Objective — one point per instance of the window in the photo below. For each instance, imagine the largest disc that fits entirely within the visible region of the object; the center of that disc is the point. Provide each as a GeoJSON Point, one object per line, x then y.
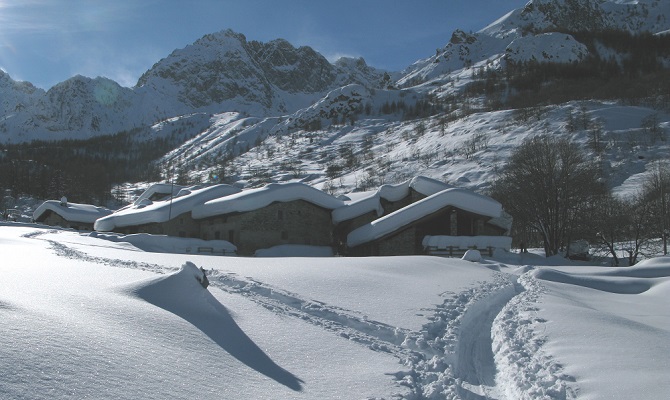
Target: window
{"type": "Point", "coordinates": [284, 235]}
{"type": "Point", "coordinates": [280, 215]}
{"type": "Point", "coordinates": [217, 235]}
{"type": "Point", "coordinates": [231, 236]}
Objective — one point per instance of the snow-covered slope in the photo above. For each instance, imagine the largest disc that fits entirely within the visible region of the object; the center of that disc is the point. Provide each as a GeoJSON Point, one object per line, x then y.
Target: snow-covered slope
{"type": "Point", "coordinates": [89, 318]}
{"type": "Point", "coordinates": [468, 152]}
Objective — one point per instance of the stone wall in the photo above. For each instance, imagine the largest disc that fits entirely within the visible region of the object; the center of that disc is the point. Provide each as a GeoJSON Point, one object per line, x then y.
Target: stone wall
{"type": "Point", "coordinates": [295, 222]}
{"type": "Point", "coordinates": [54, 219]}
{"type": "Point", "coordinates": [401, 244]}
{"type": "Point", "coordinates": [180, 226]}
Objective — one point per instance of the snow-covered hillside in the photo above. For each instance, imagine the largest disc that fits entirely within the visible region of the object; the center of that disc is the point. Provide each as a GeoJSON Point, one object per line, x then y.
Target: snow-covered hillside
{"type": "Point", "coordinates": [467, 152]}
{"type": "Point", "coordinates": [89, 318]}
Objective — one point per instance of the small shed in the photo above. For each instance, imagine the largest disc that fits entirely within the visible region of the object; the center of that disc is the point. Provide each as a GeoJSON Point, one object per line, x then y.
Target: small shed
{"type": "Point", "coordinates": [69, 215]}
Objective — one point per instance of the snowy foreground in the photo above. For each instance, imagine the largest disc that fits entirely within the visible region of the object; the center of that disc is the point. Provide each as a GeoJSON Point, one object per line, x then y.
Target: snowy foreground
{"type": "Point", "coordinates": [82, 317]}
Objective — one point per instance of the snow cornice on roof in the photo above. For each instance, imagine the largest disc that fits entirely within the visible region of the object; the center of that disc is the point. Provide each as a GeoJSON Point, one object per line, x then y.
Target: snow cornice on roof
{"type": "Point", "coordinates": [253, 199]}
{"type": "Point", "coordinates": [421, 184]}
{"type": "Point", "coordinates": [73, 212]}
{"type": "Point", "coordinates": [463, 199]}
{"type": "Point", "coordinates": [146, 211]}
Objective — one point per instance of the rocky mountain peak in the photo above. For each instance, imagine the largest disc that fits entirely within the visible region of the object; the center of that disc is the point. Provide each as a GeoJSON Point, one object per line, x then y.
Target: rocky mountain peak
{"type": "Point", "coordinates": [292, 69]}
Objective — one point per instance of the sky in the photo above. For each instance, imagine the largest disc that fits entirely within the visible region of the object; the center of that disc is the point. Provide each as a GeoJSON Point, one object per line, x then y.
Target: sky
{"type": "Point", "coordinates": [48, 41]}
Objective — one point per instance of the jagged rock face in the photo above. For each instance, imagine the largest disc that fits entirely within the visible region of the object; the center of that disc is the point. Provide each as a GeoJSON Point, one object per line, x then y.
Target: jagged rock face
{"type": "Point", "coordinates": [85, 104]}
{"type": "Point", "coordinates": [356, 71]}
{"type": "Point", "coordinates": [80, 106]}
{"type": "Point", "coordinates": [459, 37]}
{"type": "Point", "coordinates": [291, 69]}
{"type": "Point", "coordinates": [219, 72]}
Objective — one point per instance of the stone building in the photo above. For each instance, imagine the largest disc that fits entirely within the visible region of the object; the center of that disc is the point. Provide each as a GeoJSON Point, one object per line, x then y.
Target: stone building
{"type": "Point", "coordinates": [386, 200]}
{"type": "Point", "coordinates": [278, 214]}
{"type": "Point", "coordinates": [420, 216]}
{"type": "Point", "coordinates": [458, 216]}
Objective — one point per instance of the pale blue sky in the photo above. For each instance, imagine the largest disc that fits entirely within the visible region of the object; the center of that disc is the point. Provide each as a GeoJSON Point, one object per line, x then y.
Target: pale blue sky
{"type": "Point", "coordinates": [48, 41]}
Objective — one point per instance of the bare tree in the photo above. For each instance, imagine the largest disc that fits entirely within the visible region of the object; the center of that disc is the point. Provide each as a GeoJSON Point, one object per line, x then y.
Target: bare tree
{"type": "Point", "coordinates": [613, 220]}
{"type": "Point", "coordinates": [656, 191]}
{"type": "Point", "coordinates": [548, 183]}
{"type": "Point", "coordinates": [652, 128]}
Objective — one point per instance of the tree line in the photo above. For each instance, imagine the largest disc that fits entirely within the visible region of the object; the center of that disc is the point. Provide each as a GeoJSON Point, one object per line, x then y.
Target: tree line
{"type": "Point", "coordinates": [83, 170]}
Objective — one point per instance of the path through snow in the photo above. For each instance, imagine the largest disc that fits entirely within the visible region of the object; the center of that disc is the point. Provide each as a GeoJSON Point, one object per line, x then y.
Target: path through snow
{"type": "Point", "coordinates": [479, 343]}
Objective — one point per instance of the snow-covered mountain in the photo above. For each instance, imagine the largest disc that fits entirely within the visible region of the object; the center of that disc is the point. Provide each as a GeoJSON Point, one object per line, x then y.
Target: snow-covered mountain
{"type": "Point", "coordinates": [219, 72]}
{"type": "Point", "coordinates": [537, 32]}
{"type": "Point", "coordinates": [278, 113]}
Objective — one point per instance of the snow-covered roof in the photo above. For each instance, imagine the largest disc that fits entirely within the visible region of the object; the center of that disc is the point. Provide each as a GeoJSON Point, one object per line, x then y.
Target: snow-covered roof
{"type": "Point", "coordinates": [254, 199]}
{"type": "Point", "coordinates": [72, 212]}
{"type": "Point", "coordinates": [460, 198]}
{"type": "Point", "coordinates": [372, 202]}
{"type": "Point", "coordinates": [158, 188]}
{"type": "Point", "coordinates": [147, 211]}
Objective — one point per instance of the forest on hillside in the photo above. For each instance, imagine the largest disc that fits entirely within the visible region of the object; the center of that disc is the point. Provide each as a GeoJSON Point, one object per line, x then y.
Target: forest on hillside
{"type": "Point", "coordinates": [633, 70]}
{"type": "Point", "coordinates": [83, 170]}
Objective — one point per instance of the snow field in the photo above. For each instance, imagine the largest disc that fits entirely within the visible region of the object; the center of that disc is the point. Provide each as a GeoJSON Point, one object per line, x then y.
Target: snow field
{"type": "Point", "coordinates": [94, 318]}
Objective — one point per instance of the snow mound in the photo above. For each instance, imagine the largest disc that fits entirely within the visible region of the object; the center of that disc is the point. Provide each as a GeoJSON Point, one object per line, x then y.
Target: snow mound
{"type": "Point", "coordinates": [605, 284]}
{"type": "Point", "coordinates": [633, 280]}
{"type": "Point", "coordinates": [182, 294]}
{"type": "Point", "coordinates": [472, 255]}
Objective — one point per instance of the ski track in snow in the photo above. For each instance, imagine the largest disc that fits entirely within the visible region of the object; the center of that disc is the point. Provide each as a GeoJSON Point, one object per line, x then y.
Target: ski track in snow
{"type": "Point", "coordinates": [478, 344]}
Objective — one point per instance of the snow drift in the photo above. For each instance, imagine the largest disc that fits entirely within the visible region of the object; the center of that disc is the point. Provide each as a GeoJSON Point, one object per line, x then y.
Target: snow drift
{"type": "Point", "coordinates": [182, 294]}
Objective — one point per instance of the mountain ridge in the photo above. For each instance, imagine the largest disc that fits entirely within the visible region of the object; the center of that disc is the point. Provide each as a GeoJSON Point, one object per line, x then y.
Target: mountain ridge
{"type": "Point", "coordinates": [218, 72]}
